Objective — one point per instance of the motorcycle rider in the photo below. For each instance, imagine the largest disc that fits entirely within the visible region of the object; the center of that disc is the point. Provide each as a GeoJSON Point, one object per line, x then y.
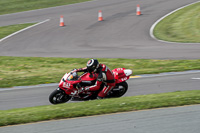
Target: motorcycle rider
{"type": "Point", "coordinates": [105, 75]}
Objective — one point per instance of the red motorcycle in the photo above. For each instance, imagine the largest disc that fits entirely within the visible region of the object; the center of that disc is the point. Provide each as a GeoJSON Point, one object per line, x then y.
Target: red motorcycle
{"type": "Point", "coordinates": [70, 84]}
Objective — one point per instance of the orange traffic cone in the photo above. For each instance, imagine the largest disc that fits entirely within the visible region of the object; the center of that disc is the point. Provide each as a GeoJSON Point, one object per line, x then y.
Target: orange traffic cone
{"type": "Point", "coordinates": [100, 17]}
{"type": "Point", "coordinates": [62, 21]}
{"type": "Point", "coordinates": [138, 12]}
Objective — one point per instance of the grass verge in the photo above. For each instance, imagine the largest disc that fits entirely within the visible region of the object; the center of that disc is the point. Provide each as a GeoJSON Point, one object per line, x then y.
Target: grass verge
{"type": "Point", "coordinates": [19, 71]}
{"type": "Point", "coordinates": [181, 26]}
{"type": "Point", "coordinates": [7, 30]}
{"type": "Point", "coordinates": [97, 107]}
{"type": "Point", "coordinates": [12, 6]}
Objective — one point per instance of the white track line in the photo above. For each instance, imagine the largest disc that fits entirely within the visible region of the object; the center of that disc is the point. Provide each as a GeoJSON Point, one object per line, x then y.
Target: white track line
{"type": "Point", "coordinates": [169, 74]}
{"type": "Point", "coordinates": [196, 78]}
{"type": "Point", "coordinates": [23, 30]}
{"type": "Point", "coordinates": [153, 26]}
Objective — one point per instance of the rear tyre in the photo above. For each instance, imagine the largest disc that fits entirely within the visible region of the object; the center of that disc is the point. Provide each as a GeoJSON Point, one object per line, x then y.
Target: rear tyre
{"type": "Point", "coordinates": [58, 96]}
{"type": "Point", "coordinates": [119, 90]}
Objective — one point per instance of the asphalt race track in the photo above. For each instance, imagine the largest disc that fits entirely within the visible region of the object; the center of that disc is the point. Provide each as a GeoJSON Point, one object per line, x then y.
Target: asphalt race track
{"type": "Point", "coordinates": [34, 96]}
{"type": "Point", "coordinates": [122, 34]}
{"type": "Point", "coordinates": [169, 120]}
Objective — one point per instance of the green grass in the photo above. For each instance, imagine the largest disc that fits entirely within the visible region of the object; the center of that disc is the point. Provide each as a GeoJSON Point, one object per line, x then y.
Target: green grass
{"type": "Point", "coordinates": [12, 6]}
{"type": "Point", "coordinates": [7, 30]}
{"type": "Point", "coordinates": [20, 71]}
{"type": "Point", "coordinates": [97, 107]}
{"type": "Point", "coordinates": [181, 26]}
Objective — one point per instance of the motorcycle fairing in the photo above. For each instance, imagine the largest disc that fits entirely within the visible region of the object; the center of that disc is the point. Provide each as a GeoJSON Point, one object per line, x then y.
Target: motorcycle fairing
{"type": "Point", "coordinates": [121, 74]}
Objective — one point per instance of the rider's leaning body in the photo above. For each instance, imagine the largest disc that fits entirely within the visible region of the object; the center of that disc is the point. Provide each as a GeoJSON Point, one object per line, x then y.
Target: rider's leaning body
{"type": "Point", "coordinates": [105, 75]}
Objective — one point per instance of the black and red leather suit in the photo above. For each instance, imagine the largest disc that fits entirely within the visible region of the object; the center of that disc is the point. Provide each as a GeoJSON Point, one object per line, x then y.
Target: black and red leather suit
{"type": "Point", "coordinates": [105, 75]}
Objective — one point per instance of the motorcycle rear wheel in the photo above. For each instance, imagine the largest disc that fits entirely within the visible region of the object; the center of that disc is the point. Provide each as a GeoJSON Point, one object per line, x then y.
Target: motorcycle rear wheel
{"type": "Point", "coordinates": [119, 90]}
{"type": "Point", "coordinates": [58, 96]}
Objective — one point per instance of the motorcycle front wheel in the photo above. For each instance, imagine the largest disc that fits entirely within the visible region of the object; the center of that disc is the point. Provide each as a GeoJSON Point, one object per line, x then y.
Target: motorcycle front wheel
{"type": "Point", "coordinates": [58, 96]}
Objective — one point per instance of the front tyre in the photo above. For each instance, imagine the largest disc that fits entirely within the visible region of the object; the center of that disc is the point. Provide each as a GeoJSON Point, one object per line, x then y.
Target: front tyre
{"type": "Point", "coordinates": [58, 96]}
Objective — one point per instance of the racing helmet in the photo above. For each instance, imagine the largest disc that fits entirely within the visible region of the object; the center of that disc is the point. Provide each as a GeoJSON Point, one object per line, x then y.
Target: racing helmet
{"type": "Point", "coordinates": [92, 65]}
